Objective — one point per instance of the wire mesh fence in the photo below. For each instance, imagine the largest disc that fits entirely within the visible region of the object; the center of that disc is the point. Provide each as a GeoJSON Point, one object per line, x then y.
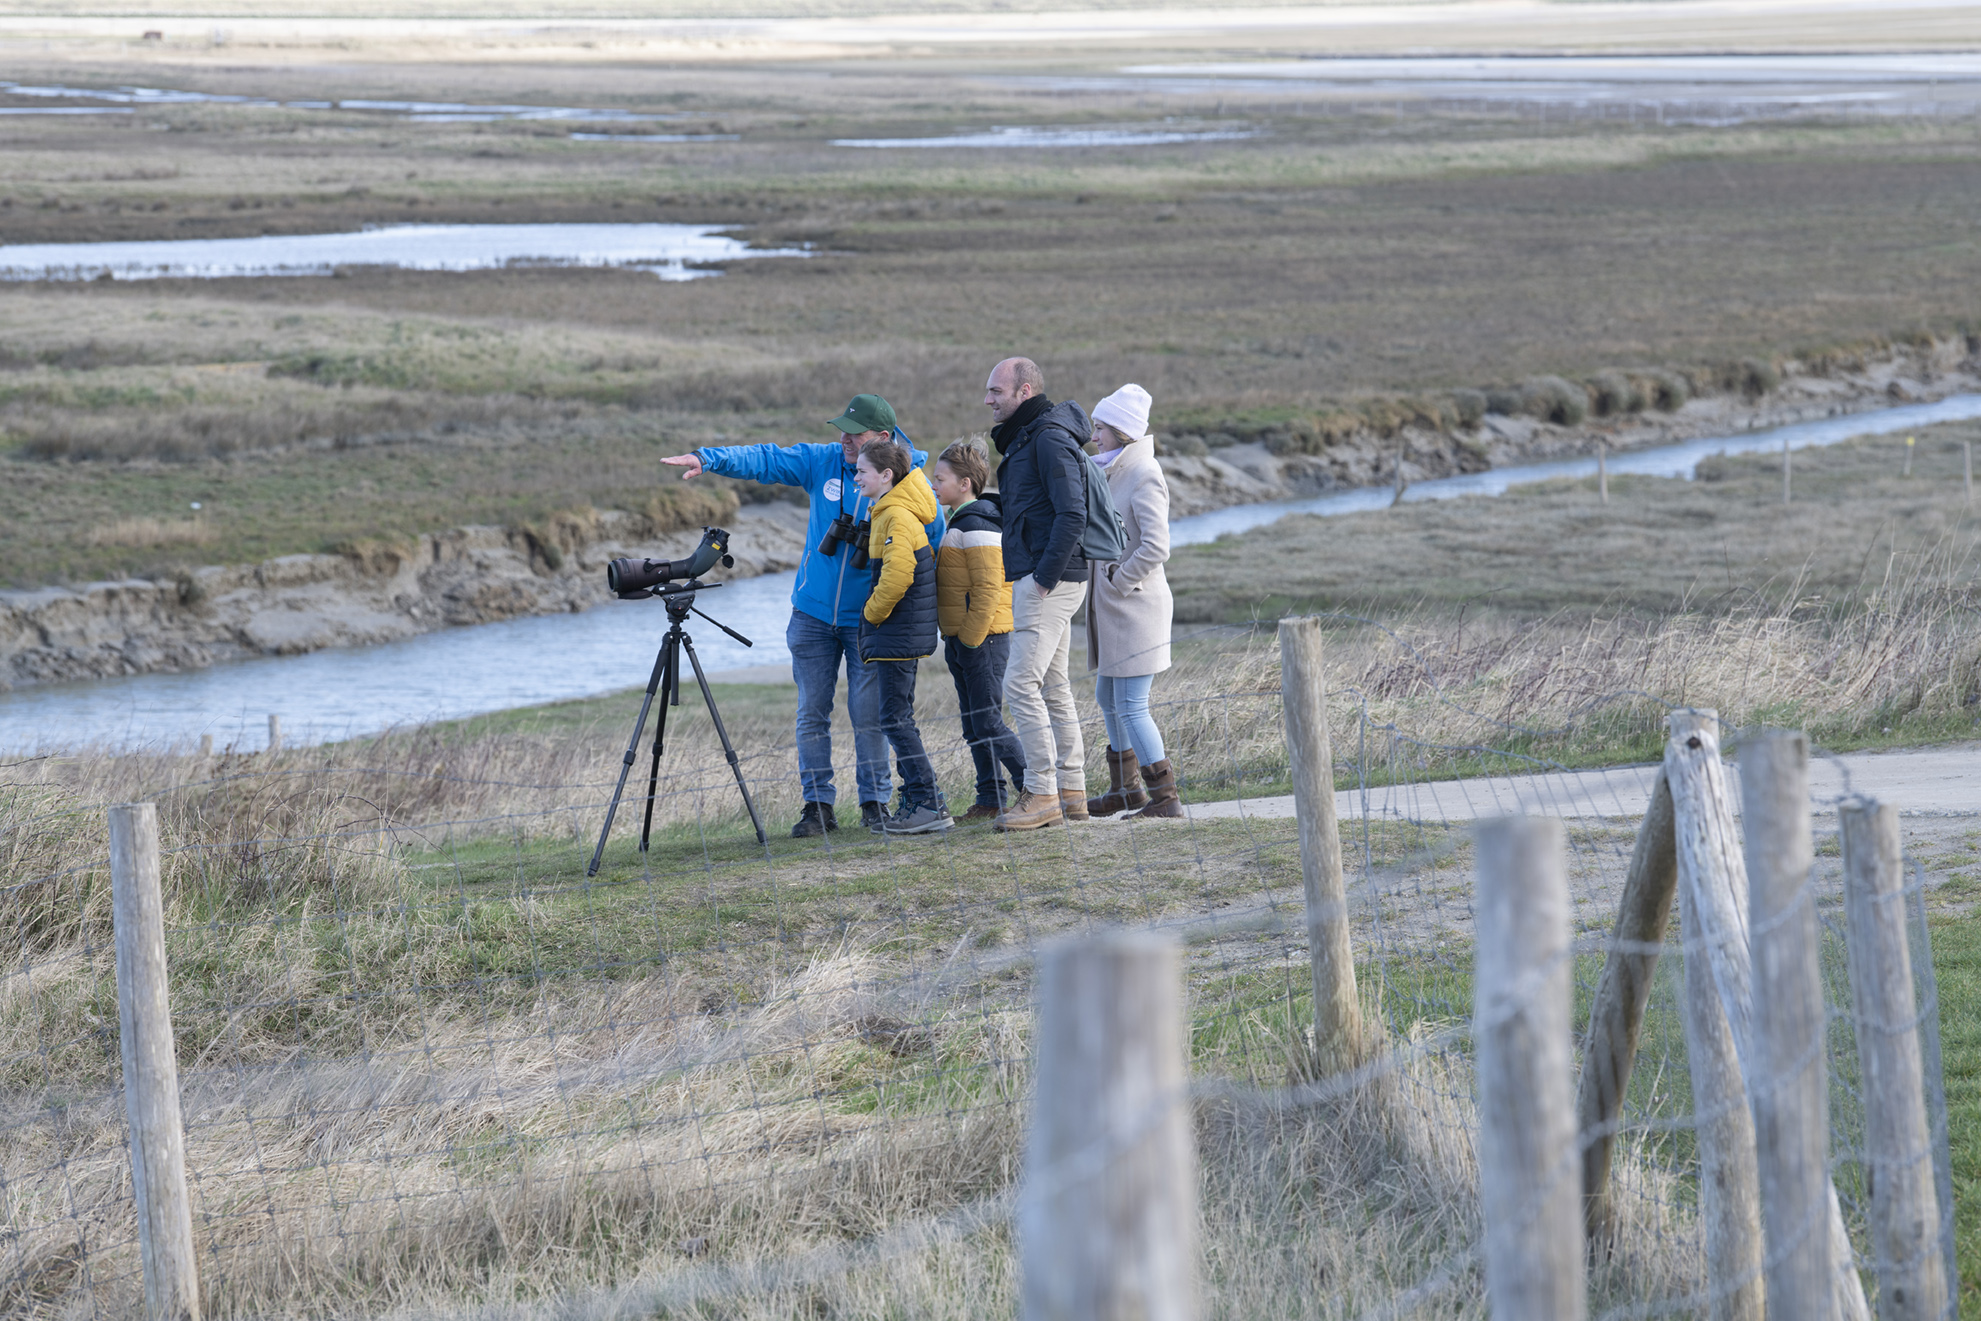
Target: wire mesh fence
{"type": "Point", "coordinates": [427, 1065]}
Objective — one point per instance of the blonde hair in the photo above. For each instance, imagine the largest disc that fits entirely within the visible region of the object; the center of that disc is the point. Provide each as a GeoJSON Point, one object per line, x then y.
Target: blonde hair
{"type": "Point", "coordinates": [967, 460]}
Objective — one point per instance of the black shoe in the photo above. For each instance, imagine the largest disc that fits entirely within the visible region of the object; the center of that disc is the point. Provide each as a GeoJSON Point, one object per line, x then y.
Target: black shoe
{"type": "Point", "coordinates": [815, 821]}
{"type": "Point", "coordinates": [872, 814]}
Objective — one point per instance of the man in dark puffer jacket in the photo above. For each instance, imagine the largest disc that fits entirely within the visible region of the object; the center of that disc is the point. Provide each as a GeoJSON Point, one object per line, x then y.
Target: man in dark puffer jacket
{"type": "Point", "coordinates": [1042, 480]}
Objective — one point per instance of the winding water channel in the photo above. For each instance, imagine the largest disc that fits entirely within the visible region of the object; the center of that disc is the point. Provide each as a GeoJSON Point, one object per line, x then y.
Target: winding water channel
{"type": "Point", "coordinates": [490, 667]}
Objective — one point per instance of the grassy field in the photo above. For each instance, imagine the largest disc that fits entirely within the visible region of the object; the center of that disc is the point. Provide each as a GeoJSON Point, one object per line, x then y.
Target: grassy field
{"type": "Point", "coordinates": [1333, 257]}
{"type": "Point", "coordinates": [467, 1073]}
{"type": "Point", "coordinates": [389, 946]}
{"type": "Point", "coordinates": [432, 1066]}
{"type": "Point", "coordinates": [1858, 528]}
{"type": "Point", "coordinates": [766, 1050]}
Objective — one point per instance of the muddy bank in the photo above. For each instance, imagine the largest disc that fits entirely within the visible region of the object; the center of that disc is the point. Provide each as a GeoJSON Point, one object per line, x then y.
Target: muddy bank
{"type": "Point", "coordinates": [302, 603]}
{"type": "Point", "coordinates": [477, 575]}
{"type": "Point", "coordinates": [1282, 465]}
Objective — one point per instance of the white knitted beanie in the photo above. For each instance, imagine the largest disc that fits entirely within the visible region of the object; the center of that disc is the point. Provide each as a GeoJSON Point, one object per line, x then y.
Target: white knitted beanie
{"type": "Point", "coordinates": [1127, 411]}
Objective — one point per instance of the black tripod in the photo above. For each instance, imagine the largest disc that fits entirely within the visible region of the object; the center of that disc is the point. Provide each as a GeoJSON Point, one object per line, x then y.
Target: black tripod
{"type": "Point", "coordinates": [667, 677]}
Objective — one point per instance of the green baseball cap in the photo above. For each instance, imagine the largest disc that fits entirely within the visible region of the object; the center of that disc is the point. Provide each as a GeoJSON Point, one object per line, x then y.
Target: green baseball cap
{"type": "Point", "coordinates": [867, 412]}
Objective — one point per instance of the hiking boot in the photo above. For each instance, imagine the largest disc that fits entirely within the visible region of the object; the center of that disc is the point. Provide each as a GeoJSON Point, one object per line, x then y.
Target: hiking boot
{"type": "Point", "coordinates": [815, 820]}
{"type": "Point", "coordinates": [918, 821]}
{"type": "Point", "coordinates": [872, 814]}
{"type": "Point", "coordinates": [1073, 803]}
{"type": "Point", "coordinates": [1124, 786]}
{"type": "Point", "coordinates": [1032, 811]}
{"type": "Point", "coordinates": [980, 812]}
{"type": "Point", "coordinates": [1164, 802]}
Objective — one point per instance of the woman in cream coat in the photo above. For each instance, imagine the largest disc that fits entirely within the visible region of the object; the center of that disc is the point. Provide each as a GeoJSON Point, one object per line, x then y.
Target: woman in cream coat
{"type": "Point", "coordinates": [1128, 612]}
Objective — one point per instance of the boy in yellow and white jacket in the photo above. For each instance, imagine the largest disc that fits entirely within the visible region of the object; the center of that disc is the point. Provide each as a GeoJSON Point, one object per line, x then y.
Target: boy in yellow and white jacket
{"type": "Point", "coordinates": [973, 613]}
{"type": "Point", "coordinates": [898, 626]}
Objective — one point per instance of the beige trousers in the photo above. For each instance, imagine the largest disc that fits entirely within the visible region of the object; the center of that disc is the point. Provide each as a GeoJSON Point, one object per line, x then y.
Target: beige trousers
{"type": "Point", "coordinates": [1037, 691]}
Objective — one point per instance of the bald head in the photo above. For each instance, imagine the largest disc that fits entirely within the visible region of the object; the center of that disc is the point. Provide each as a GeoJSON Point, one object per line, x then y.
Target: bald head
{"type": "Point", "coordinates": [1011, 383]}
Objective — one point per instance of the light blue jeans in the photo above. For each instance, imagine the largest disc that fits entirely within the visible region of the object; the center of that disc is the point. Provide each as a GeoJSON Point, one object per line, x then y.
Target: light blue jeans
{"type": "Point", "coordinates": [1125, 707]}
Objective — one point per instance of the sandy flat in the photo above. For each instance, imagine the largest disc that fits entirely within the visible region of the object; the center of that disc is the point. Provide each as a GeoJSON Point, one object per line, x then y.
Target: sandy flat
{"type": "Point", "coordinates": [1498, 26]}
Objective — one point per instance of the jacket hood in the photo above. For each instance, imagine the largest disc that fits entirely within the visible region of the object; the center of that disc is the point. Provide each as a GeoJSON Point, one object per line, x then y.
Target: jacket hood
{"type": "Point", "coordinates": [1071, 417]}
{"type": "Point", "coordinates": [1132, 455]}
{"type": "Point", "coordinates": [914, 497]}
{"type": "Point", "coordinates": [982, 514]}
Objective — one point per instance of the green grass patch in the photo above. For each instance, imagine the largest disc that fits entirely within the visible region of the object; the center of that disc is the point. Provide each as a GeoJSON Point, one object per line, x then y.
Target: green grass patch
{"type": "Point", "coordinates": [1957, 966]}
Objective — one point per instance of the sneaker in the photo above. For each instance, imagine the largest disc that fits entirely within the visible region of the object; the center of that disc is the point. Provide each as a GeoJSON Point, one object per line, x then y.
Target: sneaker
{"type": "Point", "coordinates": [815, 820]}
{"type": "Point", "coordinates": [918, 821]}
{"type": "Point", "coordinates": [872, 814]}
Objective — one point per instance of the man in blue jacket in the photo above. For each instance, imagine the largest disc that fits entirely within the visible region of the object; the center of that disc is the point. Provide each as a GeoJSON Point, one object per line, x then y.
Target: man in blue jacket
{"type": "Point", "coordinates": [827, 600]}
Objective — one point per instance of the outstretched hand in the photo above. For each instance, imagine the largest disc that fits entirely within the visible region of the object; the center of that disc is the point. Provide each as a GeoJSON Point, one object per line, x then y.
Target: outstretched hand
{"type": "Point", "coordinates": [692, 462]}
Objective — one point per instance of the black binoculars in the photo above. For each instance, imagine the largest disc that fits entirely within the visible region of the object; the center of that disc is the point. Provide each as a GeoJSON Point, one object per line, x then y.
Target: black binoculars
{"type": "Point", "coordinates": [843, 531]}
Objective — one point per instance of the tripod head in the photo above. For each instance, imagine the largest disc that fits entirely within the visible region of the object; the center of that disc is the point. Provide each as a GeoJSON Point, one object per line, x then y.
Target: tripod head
{"type": "Point", "coordinates": [680, 598]}
{"type": "Point", "coordinates": [680, 601]}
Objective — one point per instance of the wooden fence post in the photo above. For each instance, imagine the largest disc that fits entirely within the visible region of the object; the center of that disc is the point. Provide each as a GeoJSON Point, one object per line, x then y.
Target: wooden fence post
{"type": "Point", "coordinates": [1337, 1012]}
{"type": "Point", "coordinates": [1788, 1077]}
{"type": "Point", "coordinates": [1712, 896]}
{"type": "Point", "coordinates": [1523, 1041]}
{"type": "Point", "coordinates": [151, 1070]}
{"type": "Point", "coordinates": [206, 745]}
{"type": "Point", "coordinates": [274, 732]}
{"type": "Point", "coordinates": [1905, 1211]}
{"type": "Point", "coordinates": [1107, 1219]}
{"type": "Point", "coordinates": [1617, 1017]}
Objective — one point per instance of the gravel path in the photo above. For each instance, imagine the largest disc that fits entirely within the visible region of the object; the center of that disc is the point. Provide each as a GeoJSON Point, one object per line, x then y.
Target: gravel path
{"type": "Point", "coordinates": [1923, 782]}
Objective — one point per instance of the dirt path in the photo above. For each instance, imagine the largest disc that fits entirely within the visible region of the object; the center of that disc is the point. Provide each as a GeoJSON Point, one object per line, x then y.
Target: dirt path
{"type": "Point", "coordinates": [1415, 897]}
{"type": "Point", "coordinates": [1923, 782]}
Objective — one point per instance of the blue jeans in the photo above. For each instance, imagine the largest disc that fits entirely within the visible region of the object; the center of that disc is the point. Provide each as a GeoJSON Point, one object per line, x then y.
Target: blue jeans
{"type": "Point", "coordinates": [979, 676]}
{"type": "Point", "coordinates": [816, 651]}
{"type": "Point", "coordinates": [896, 679]}
{"type": "Point", "coordinates": [1125, 708]}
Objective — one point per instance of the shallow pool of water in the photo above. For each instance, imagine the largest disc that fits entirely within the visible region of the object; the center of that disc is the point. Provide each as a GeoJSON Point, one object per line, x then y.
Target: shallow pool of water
{"type": "Point", "coordinates": [672, 252]}
{"type": "Point", "coordinates": [1028, 137]}
{"type": "Point", "coordinates": [1690, 88]}
{"type": "Point", "coordinates": [490, 667]}
{"type": "Point", "coordinates": [431, 112]}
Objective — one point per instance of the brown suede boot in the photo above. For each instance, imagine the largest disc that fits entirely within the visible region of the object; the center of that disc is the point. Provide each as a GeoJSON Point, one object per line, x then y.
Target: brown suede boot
{"type": "Point", "coordinates": [1073, 803]}
{"type": "Point", "coordinates": [1163, 800]}
{"type": "Point", "coordinates": [1124, 786]}
{"type": "Point", "coordinates": [1031, 812]}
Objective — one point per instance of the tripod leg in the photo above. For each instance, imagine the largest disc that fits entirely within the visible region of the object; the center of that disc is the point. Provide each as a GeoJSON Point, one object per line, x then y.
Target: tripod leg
{"type": "Point", "coordinates": [728, 748]}
{"type": "Point", "coordinates": [632, 752]}
{"type": "Point", "coordinates": [670, 689]}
